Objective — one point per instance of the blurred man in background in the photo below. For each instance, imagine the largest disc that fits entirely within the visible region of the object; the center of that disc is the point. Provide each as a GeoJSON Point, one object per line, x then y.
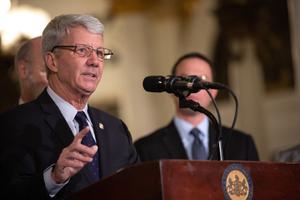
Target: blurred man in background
{"type": "Point", "coordinates": [190, 134]}
{"type": "Point", "coordinates": [31, 70]}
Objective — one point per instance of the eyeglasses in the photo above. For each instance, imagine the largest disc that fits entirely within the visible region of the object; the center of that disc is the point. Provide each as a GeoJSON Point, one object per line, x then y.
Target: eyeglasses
{"type": "Point", "coordinates": [84, 50]}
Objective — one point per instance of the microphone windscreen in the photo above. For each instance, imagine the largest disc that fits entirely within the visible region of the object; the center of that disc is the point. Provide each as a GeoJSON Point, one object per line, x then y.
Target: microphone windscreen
{"type": "Point", "coordinates": [154, 83]}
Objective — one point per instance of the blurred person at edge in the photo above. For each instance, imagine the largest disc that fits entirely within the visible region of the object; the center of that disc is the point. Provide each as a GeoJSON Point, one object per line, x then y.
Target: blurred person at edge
{"type": "Point", "coordinates": [31, 70]}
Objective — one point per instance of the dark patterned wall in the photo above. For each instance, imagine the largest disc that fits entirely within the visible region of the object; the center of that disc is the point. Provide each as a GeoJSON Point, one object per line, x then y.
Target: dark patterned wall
{"type": "Point", "coordinates": [266, 23]}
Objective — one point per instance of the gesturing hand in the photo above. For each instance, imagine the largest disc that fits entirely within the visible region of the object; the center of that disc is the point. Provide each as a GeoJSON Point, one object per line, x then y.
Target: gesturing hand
{"type": "Point", "coordinates": [73, 158]}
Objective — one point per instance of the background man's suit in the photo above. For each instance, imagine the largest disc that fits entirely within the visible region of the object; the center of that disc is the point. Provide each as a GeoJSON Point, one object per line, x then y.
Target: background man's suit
{"type": "Point", "coordinates": [36, 133]}
{"type": "Point", "coordinates": [165, 143]}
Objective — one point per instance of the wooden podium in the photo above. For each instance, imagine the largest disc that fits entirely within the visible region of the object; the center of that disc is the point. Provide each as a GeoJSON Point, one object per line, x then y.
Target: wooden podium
{"type": "Point", "coordinates": [191, 180]}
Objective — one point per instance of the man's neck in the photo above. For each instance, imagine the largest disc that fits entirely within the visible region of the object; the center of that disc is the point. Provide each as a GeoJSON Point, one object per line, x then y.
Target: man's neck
{"type": "Point", "coordinates": [60, 102]}
{"type": "Point", "coordinates": [195, 119]}
{"type": "Point", "coordinates": [74, 98]}
{"type": "Point", "coordinates": [25, 95]}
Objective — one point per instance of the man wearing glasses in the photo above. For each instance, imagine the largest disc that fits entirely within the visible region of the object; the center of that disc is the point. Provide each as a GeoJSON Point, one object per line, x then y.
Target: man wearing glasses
{"type": "Point", "coordinates": [57, 144]}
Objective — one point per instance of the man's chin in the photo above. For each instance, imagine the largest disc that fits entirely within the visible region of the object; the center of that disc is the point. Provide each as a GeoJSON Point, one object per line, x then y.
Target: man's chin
{"type": "Point", "coordinates": [87, 91]}
{"type": "Point", "coordinates": [188, 112]}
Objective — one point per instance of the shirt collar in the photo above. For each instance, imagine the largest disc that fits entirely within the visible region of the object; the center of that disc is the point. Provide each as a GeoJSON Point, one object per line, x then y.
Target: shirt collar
{"type": "Point", "coordinates": [203, 127]}
{"type": "Point", "coordinates": [67, 110]}
{"type": "Point", "coordinates": [185, 127]}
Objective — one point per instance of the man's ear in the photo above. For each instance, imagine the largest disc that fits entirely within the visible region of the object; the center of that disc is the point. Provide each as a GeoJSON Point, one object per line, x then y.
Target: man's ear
{"type": "Point", "coordinates": [50, 61]}
{"type": "Point", "coordinates": [23, 71]}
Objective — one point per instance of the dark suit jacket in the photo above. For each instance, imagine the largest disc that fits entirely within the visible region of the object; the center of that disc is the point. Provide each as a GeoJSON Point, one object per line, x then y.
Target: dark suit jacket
{"type": "Point", "coordinates": [165, 143]}
{"type": "Point", "coordinates": [33, 136]}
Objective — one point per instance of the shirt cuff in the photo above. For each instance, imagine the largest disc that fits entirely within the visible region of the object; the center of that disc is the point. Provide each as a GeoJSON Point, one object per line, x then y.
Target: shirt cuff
{"type": "Point", "coordinates": [52, 187]}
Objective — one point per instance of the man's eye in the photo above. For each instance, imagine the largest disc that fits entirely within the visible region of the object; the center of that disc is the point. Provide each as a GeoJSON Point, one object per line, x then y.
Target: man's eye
{"type": "Point", "coordinates": [100, 53]}
{"type": "Point", "coordinates": [82, 50]}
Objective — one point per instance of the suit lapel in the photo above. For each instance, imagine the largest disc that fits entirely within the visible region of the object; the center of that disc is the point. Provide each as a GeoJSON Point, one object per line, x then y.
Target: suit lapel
{"type": "Point", "coordinates": [59, 126]}
{"type": "Point", "coordinates": [173, 143]}
{"type": "Point", "coordinates": [99, 130]}
{"type": "Point", "coordinates": [55, 120]}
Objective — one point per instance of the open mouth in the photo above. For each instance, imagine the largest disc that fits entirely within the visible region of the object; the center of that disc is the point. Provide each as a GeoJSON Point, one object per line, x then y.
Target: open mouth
{"type": "Point", "coordinates": [90, 75]}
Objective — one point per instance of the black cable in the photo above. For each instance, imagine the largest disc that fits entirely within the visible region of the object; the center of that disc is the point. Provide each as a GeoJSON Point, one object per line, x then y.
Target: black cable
{"type": "Point", "coordinates": [183, 103]}
{"type": "Point", "coordinates": [222, 86]}
{"type": "Point", "coordinates": [217, 111]}
{"type": "Point", "coordinates": [236, 105]}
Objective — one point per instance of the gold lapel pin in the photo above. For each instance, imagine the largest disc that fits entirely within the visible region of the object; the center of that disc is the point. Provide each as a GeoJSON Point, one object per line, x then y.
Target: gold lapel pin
{"type": "Point", "coordinates": [101, 126]}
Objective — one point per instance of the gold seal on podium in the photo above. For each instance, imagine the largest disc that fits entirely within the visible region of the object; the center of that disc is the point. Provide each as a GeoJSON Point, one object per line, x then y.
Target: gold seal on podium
{"type": "Point", "coordinates": [237, 183]}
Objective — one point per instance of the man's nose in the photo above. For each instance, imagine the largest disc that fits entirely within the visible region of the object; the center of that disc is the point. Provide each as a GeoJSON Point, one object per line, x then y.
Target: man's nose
{"type": "Point", "coordinates": [93, 59]}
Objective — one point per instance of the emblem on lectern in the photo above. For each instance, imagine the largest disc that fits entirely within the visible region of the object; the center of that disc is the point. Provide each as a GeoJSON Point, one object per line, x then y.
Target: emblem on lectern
{"type": "Point", "coordinates": [237, 183]}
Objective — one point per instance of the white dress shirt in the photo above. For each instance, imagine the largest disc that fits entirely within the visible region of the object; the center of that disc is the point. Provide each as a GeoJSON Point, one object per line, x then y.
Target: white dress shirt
{"type": "Point", "coordinates": [184, 128]}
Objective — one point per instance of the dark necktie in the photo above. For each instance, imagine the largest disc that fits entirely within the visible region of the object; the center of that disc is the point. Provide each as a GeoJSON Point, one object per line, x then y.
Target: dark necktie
{"type": "Point", "coordinates": [198, 150]}
{"type": "Point", "coordinates": [89, 141]}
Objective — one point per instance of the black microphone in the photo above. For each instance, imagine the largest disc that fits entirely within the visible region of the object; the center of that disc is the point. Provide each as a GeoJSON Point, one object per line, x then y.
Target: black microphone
{"type": "Point", "coordinates": [173, 84]}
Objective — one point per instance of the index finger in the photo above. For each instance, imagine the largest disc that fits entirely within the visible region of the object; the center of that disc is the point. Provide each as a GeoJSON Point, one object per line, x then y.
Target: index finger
{"type": "Point", "coordinates": [82, 133]}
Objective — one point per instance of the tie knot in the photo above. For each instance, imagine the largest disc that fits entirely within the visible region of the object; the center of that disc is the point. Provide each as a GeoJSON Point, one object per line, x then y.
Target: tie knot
{"type": "Point", "coordinates": [195, 132]}
{"type": "Point", "coordinates": [81, 119]}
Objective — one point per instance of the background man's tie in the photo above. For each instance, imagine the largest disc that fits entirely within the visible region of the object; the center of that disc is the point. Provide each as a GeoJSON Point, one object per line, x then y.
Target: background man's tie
{"type": "Point", "coordinates": [89, 141]}
{"type": "Point", "coordinates": [198, 150]}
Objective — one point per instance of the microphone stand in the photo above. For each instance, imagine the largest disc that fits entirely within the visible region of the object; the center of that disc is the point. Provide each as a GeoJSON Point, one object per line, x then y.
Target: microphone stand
{"type": "Point", "coordinates": [183, 103]}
